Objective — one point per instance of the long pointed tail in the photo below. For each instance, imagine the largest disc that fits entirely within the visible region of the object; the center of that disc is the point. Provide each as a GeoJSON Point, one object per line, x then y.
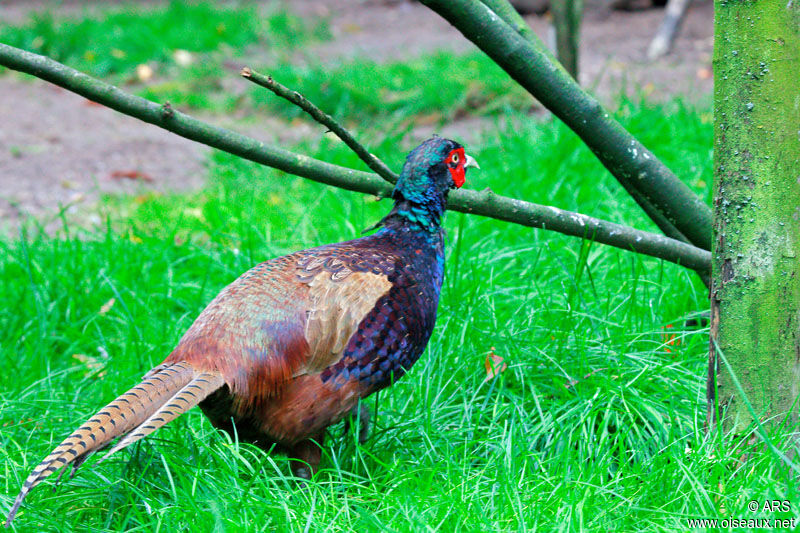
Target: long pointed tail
{"type": "Point", "coordinates": [162, 396]}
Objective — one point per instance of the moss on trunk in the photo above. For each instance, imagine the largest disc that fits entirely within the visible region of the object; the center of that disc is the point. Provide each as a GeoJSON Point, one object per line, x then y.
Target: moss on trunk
{"type": "Point", "coordinates": [755, 292]}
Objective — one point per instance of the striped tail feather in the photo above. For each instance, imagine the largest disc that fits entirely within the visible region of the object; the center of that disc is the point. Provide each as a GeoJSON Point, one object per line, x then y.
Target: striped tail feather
{"type": "Point", "coordinates": [193, 393]}
{"type": "Point", "coordinates": [127, 413]}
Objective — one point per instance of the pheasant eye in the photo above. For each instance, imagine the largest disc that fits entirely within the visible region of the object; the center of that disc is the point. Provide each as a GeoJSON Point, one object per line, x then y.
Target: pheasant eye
{"type": "Point", "coordinates": [454, 158]}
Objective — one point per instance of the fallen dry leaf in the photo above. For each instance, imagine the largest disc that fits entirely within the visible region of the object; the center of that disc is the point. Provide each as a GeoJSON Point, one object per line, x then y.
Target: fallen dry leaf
{"type": "Point", "coordinates": [131, 175]}
{"type": "Point", "coordinates": [144, 72]}
{"type": "Point", "coordinates": [106, 307]}
{"type": "Point", "coordinates": [571, 383]}
{"type": "Point", "coordinates": [704, 73]}
{"type": "Point", "coordinates": [494, 364]}
{"type": "Point", "coordinates": [670, 339]}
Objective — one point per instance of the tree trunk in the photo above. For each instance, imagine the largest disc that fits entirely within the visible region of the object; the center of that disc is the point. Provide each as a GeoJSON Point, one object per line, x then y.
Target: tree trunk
{"type": "Point", "coordinates": [755, 292]}
{"type": "Point", "coordinates": [567, 25]}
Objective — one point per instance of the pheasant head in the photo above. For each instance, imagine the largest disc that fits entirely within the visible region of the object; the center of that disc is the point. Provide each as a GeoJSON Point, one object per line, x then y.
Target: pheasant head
{"type": "Point", "coordinates": [430, 171]}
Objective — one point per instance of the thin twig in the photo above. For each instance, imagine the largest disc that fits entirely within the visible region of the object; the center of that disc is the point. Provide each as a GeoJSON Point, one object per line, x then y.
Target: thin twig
{"type": "Point", "coordinates": [323, 118]}
{"type": "Point", "coordinates": [483, 203]}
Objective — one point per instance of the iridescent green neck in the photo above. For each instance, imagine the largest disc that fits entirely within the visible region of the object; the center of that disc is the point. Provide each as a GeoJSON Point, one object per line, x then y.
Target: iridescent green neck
{"type": "Point", "coordinates": [426, 216]}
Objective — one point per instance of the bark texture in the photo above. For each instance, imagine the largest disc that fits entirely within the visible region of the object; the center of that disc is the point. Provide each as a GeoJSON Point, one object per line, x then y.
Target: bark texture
{"type": "Point", "coordinates": [755, 293]}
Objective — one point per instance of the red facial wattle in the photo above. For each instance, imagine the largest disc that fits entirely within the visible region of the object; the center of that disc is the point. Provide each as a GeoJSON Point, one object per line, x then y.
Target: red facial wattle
{"type": "Point", "coordinates": [455, 164]}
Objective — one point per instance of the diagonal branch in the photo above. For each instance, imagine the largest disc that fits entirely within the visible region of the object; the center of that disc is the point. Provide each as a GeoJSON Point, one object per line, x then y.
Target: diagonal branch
{"type": "Point", "coordinates": [488, 204]}
{"type": "Point", "coordinates": [483, 203]}
{"type": "Point", "coordinates": [511, 17]}
{"type": "Point", "coordinates": [323, 118]}
{"type": "Point", "coordinates": [634, 166]}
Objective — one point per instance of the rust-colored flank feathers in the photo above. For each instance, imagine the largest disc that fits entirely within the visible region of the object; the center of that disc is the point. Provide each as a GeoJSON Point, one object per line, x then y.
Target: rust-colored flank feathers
{"type": "Point", "coordinates": [292, 345]}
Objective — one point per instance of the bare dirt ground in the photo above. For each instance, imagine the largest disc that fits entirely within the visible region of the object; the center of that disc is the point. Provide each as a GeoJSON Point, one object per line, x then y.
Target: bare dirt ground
{"type": "Point", "coordinates": [59, 151]}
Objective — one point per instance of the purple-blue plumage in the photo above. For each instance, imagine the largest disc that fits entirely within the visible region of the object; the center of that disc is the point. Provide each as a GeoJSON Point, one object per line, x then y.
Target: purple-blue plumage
{"type": "Point", "coordinates": [393, 335]}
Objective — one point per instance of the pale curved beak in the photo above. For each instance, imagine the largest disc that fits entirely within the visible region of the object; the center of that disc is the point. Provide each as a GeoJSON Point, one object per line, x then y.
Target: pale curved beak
{"type": "Point", "coordinates": [470, 162]}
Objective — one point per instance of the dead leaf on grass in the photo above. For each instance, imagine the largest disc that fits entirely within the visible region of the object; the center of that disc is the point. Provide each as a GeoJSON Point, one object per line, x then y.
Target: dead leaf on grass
{"type": "Point", "coordinates": [670, 339]}
{"type": "Point", "coordinates": [704, 73]}
{"type": "Point", "coordinates": [144, 72]}
{"type": "Point", "coordinates": [571, 383]}
{"type": "Point", "coordinates": [131, 175]}
{"type": "Point", "coordinates": [106, 307]}
{"type": "Point", "coordinates": [494, 364]}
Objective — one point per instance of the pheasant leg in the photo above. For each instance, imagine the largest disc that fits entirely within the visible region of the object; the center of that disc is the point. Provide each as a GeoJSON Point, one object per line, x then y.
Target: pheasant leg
{"type": "Point", "coordinates": [363, 416]}
{"type": "Point", "coordinates": [305, 457]}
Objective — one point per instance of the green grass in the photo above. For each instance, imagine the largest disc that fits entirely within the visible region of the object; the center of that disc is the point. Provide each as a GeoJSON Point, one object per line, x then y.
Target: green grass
{"type": "Point", "coordinates": [443, 86]}
{"type": "Point", "coordinates": [112, 42]}
{"type": "Point", "coordinates": [596, 424]}
{"type": "Point", "coordinates": [359, 90]}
